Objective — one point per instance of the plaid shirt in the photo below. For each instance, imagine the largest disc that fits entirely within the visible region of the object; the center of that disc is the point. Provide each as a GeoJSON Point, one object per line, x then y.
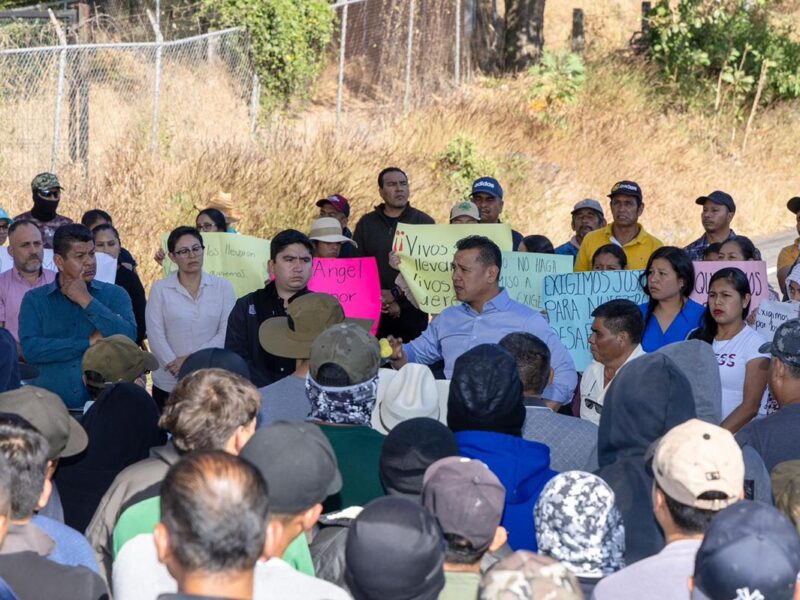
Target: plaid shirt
{"type": "Point", "coordinates": [697, 248]}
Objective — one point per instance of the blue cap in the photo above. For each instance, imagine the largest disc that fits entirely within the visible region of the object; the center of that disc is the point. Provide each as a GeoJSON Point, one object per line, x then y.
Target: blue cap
{"type": "Point", "coordinates": [749, 545]}
{"type": "Point", "coordinates": [487, 185]}
{"type": "Point", "coordinates": [5, 217]}
{"type": "Point", "coordinates": [718, 197]}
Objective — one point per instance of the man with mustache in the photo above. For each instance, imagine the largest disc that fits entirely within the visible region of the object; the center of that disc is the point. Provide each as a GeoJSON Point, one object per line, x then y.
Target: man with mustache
{"type": "Point", "coordinates": [60, 320]}
{"type": "Point", "coordinates": [586, 217]}
{"type": "Point", "coordinates": [718, 212]}
{"type": "Point", "coordinates": [26, 248]}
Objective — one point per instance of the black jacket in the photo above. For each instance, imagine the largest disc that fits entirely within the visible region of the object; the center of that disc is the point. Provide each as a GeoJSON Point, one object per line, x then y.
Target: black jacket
{"type": "Point", "coordinates": [242, 336]}
{"type": "Point", "coordinates": [374, 234]}
{"type": "Point", "coordinates": [32, 577]}
{"type": "Point", "coordinates": [129, 281]}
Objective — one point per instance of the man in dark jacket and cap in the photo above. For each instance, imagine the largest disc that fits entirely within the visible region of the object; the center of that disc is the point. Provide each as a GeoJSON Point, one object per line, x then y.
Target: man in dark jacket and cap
{"type": "Point", "coordinates": [648, 397]}
{"type": "Point", "coordinates": [486, 411]}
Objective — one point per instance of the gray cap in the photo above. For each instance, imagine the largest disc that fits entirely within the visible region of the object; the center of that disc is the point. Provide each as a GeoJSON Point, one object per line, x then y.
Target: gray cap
{"type": "Point", "coordinates": [589, 203]}
{"type": "Point", "coordinates": [298, 463]}
{"type": "Point", "coordinates": [786, 343]}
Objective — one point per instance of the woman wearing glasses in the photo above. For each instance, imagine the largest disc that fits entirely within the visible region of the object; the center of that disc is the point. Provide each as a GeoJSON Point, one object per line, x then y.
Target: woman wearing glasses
{"type": "Point", "coordinates": [187, 311]}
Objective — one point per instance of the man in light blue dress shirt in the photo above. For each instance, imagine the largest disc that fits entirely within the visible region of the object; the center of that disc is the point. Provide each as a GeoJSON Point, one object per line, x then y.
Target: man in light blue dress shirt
{"type": "Point", "coordinates": [486, 314]}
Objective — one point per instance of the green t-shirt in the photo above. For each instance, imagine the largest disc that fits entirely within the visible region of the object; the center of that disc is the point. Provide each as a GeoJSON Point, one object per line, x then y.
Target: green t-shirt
{"type": "Point", "coordinates": [143, 517]}
{"type": "Point", "coordinates": [358, 452]}
{"type": "Point", "coordinates": [460, 586]}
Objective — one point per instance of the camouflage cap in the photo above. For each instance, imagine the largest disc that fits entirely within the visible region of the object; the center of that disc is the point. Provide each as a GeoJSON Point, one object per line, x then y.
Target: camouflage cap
{"type": "Point", "coordinates": [528, 576]}
{"type": "Point", "coordinates": [349, 346]}
{"type": "Point", "coordinates": [786, 343]}
{"type": "Point", "coordinates": [45, 181]}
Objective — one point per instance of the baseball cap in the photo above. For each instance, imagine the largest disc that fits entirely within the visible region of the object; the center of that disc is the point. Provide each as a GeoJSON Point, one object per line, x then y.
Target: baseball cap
{"type": "Point", "coordinates": [487, 185]}
{"type": "Point", "coordinates": [328, 229]}
{"type": "Point", "coordinates": [298, 463]}
{"type": "Point", "coordinates": [214, 358]}
{"type": "Point", "coordinates": [307, 316]}
{"type": "Point", "coordinates": [48, 414]}
{"type": "Point", "coordinates": [785, 343]}
{"type": "Point", "coordinates": [528, 576]}
{"type": "Point", "coordinates": [748, 546]}
{"type": "Point", "coordinates": [408, 451]}
{"type": "Point", "coordinates": [4, 216]}
{"type": "Point", "coordinates": [338, 202]}
{"type": "Point", "coordinates": [348, 346]}
{"type": "Point", "coordinates": [718, 197]}
{"type": "Point", "coordinates": [794, 204]}
{"type": "Point", "coordinates": [45, 181]}
{"type": "Point", "coordinates": [117, 358]}
{"type": "Point", "coordinates": [588, 203]}
{"type": "Point", "coordinates": [696, 457]}
{"type": "Point", "coordinates": [626, 188]}
{"type": "Point", "coordinates": [394, 551]}
{"type": "Point", "coordinates": [465, 208]}
{"type": "Point", "coordinates": [466, 498]}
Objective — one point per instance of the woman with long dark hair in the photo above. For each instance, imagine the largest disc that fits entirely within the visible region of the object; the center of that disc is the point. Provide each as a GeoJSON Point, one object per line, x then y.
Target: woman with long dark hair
{"type": "Point", "coordinates": [742, 367]}
{"type": "Point", "coordinates": [670, 315]}
{"type": "Point", "coordinates": [211, 220]}
{"type": "Point", "coordinates": [742, 248]}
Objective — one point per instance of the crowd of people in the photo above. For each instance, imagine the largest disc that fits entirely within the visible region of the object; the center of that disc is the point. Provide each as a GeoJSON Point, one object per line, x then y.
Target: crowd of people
{"type": "Point", "coordinates": [187, 443]}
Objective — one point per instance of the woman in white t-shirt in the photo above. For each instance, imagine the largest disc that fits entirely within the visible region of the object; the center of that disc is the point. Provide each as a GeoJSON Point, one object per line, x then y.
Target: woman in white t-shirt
{"type": "Point", "coordinates": [742, 367]}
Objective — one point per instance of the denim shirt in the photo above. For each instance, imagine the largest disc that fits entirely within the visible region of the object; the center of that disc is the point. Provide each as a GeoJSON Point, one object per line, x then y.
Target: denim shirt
{"type": "Point", "coordinates": [54, 333]}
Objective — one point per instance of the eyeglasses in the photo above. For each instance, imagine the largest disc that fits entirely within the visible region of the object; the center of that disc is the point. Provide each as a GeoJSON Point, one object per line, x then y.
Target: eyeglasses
{"type": "Point", "coordinates": [592, 405]}
{"type": "Point", "coordinates": [3, 226]}
{"type": "Point", "coordinates": [207, 227]}
{"type": "Point", "coordinates": [55, 193]}
{"type": "Point", "coordinates": [194, 251]}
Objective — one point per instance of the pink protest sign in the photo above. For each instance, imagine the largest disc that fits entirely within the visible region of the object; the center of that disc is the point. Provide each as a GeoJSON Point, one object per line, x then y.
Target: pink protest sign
{"type": "Point", "coordinates": [354, 282]}
{"type": "Point", "coordinates": [756, 271]}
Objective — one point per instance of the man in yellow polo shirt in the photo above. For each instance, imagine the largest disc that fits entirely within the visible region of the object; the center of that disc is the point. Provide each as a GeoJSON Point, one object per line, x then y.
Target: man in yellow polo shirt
{"type": "Point", "coordinates": [789, 254]}
{"type": "Point", "coordinates": [624, 231]}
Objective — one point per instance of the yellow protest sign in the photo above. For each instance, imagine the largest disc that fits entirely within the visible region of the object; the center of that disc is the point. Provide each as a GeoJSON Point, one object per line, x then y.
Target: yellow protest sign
{"type": "Point", "coordinates": [426, 252]}
{"type": "Point", "coordinates": [241, 259]}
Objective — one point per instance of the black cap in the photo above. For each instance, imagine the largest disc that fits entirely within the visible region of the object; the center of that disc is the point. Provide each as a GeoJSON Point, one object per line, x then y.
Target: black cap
{"type": "Point", "coordinates": [626, 188]}
{"type": "Point", "coordinates": [214, 358]}
{"type": "Point", "coordinates": [395, 551]}
{"type": "Point", "coordinates": [409, 449]}
{"type": "Point", "coordinates": [748, 545]}
{"type": "Point", "coordinates": [486, 392]}
{"type": "Point", "coordinates": [794, 204]}
{"type": "Point", "coordinates": [718, 197]}
{"type": "Point", "coordinates": [298, 463]}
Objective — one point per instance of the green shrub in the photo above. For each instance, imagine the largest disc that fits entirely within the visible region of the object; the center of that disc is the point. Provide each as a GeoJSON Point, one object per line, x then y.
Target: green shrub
{"type": "Point", "coordinates": [710, 50]}
{"type": "Point", "coordinates": [557, 79]}
{"type": "Point", "coordinates": [287, 40]}
{"type": "Point", "coordinates": [462, 164]}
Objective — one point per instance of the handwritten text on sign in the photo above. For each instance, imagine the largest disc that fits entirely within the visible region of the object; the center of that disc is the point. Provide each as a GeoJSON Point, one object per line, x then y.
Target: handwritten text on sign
{"type": "Point", "coordinates": [523, 273]}
{"type": "Point", "coordinates": [569, 300]}
{"type": "Point", "coordinates": [426, 253]}
{"type": "Point", "coordinates": [354, 282]}
{"type": "Point", "coordinates": [756, 271]}
{"type": "Point", "coordinates": [772, 315]}
{"type": "Point", "coordinates": [241, 259]}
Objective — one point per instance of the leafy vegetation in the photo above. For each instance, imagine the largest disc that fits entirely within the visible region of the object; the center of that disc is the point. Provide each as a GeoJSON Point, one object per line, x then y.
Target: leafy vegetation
{"type": "Point", "coordinates": [287, 40]}
{"type": "Point", "coordinates": [557, 80]}
{"type": "Point", "coordinates": [462, 164]}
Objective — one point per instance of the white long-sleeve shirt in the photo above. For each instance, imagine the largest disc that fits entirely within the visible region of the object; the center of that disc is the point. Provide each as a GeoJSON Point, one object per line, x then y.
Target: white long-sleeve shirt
{"type": "Point", "coordinates": [178, 324]}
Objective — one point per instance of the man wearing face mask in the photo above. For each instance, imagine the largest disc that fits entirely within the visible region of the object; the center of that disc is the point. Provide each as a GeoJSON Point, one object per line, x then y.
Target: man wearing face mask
{"type": "Point", "coordinates": [46, 195]}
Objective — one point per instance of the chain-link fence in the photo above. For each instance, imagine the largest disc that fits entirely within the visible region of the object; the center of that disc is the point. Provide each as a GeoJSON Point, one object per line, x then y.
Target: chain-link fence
{"type": "Point", "coordinates": [75, 104]}
{"type": "Point", "coordinates": [401, 53]}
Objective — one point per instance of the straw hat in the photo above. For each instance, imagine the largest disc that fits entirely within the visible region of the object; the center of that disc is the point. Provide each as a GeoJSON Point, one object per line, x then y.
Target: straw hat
{"type": "Point", "coordinates": [223, 202]}
{"type": "Point", "coordinates": [328, 229]}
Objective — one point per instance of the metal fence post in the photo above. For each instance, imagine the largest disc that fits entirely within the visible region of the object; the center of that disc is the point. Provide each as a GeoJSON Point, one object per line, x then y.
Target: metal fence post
{"type": "Point", "coordinates": [458, 42]}
{"type": "Point", "coordinates": [157, 82]}
{"type": "Point", "coordinates": [342, 45]}
{"type": "Point", "coordinates": [255, 100]}
{"type": "Point", "coordinates": [409, 51]}
{"type": "Point", "coordinates": [62, 67]}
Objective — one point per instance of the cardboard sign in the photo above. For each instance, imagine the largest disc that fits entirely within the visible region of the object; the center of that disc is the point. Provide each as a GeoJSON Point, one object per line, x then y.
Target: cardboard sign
{"type": "Point", "coordinates": [523, 273]}
{"type": "Point", "coordinates": [756, 271]}
{"type": "Point", "coordinates": [241, 259]}
{"type": "Point", "coordinates": [106, 265]}
{"type": "Point", "coordinates": [354, 282]}
{"type": "Point", "coordinates": [426, 253]}
{"type": "Point", "coordinates": [570, 298]}
{"type": "Point", "coordinates": [770, 315]}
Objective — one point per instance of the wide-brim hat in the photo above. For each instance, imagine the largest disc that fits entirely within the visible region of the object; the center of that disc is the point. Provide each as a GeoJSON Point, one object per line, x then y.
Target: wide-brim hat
{"type": "Point", "coordinates": [410, 392]}
{"type": "Point", "coordinates": [223, 202]}
{"type": "Point", "coordinates": [328, 229]}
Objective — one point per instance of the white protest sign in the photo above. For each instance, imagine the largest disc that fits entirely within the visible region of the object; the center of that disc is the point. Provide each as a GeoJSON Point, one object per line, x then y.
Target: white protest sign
{"type": "Point", "coordinates": [771, 315]}
{"type": "Point", "coordinates": [106, 265]}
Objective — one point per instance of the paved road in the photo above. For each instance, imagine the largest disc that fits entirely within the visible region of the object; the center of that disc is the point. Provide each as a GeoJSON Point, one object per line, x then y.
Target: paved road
{"type": "Point", "coordinates": [770, 245]}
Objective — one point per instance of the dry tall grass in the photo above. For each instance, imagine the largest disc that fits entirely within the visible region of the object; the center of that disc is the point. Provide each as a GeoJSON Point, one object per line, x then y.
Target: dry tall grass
{"type": "Point", "coordinates": [617, 130]}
